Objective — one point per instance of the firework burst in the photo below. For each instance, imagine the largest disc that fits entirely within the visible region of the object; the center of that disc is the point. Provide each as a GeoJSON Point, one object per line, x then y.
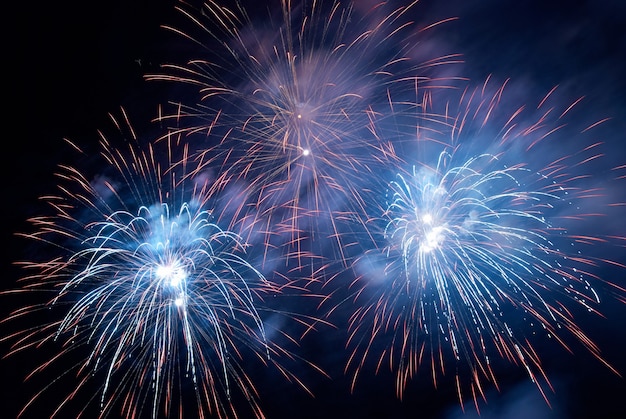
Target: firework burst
{"type": "Point", "coordinates": [161, 299]}
{"type": "Point", "coordinates": [482, 255]}
{"type": "Point", "coordinates": [291, 102]}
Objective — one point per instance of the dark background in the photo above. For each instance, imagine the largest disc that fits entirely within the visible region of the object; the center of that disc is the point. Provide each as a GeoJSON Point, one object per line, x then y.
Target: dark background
{"type": "Point", "coordinates": [67, 64]}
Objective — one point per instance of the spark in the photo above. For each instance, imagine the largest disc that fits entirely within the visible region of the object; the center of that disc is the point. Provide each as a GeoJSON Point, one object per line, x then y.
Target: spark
{"type": "Point", "coordinates": [163, 298]}
{"type": "Point", "coordinates": [480, 252]}
{"type": "Point", "coordinates": [294, 115]}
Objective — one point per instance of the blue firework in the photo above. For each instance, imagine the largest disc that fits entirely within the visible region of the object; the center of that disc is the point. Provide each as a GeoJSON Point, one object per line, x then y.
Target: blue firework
{"type": "Point", "coordinates": [163, 301]}
{"type": "Point", "coordinates": [286, 104]}
{"type": "Point", "coordinates": [480, 255]}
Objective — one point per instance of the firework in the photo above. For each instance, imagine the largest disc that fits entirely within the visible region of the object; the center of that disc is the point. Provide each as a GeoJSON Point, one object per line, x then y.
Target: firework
{"type": "Point", "coordinates": [483, 256]}
{"type": "Point", "coordinates": [290, 102]}
{"type": "Point", "coordinates": [156, 299]}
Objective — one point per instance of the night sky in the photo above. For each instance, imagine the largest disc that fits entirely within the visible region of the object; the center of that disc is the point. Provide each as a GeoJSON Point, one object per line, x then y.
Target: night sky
{"type": "Point", "coordinates": [67, 64]}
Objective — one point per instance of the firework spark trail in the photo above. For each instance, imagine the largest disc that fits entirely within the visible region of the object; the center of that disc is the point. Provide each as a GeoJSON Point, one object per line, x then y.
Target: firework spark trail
{"type": "Point", "coordinates": [158, 293]}
{"type": "Point", "coordinates": [297, 121]}
{"type": "Point", "coordinates": [477, 249]}
{"type": "Point", "coordinates": [291, 102]}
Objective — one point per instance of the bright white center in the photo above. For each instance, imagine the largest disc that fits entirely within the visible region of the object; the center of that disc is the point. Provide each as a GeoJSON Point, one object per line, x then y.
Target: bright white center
{"type": "Point", "coordinates": [174, 275]}
{"type": "Point", "coordinates": [427, 218]}
{"type": "Point", "coordinates": [306, 152]}
{"type": "Point", "coordinates": [432, 239]}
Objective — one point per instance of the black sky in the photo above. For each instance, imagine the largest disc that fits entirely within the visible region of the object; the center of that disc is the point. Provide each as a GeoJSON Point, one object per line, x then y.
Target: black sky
{"type": "Point", "coordinates": [67, 64]}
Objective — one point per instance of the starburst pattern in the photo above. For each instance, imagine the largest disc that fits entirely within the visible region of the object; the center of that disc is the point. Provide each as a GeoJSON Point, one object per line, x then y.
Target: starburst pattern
{"type": "Point", "coordinates": [156, 291]}
{"type": "Point", "coordinates": [294, 115]}
{"type": "Point", "coordinates": [477, 259]}
{"type": "Point", "coordinates": [317, 149]}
